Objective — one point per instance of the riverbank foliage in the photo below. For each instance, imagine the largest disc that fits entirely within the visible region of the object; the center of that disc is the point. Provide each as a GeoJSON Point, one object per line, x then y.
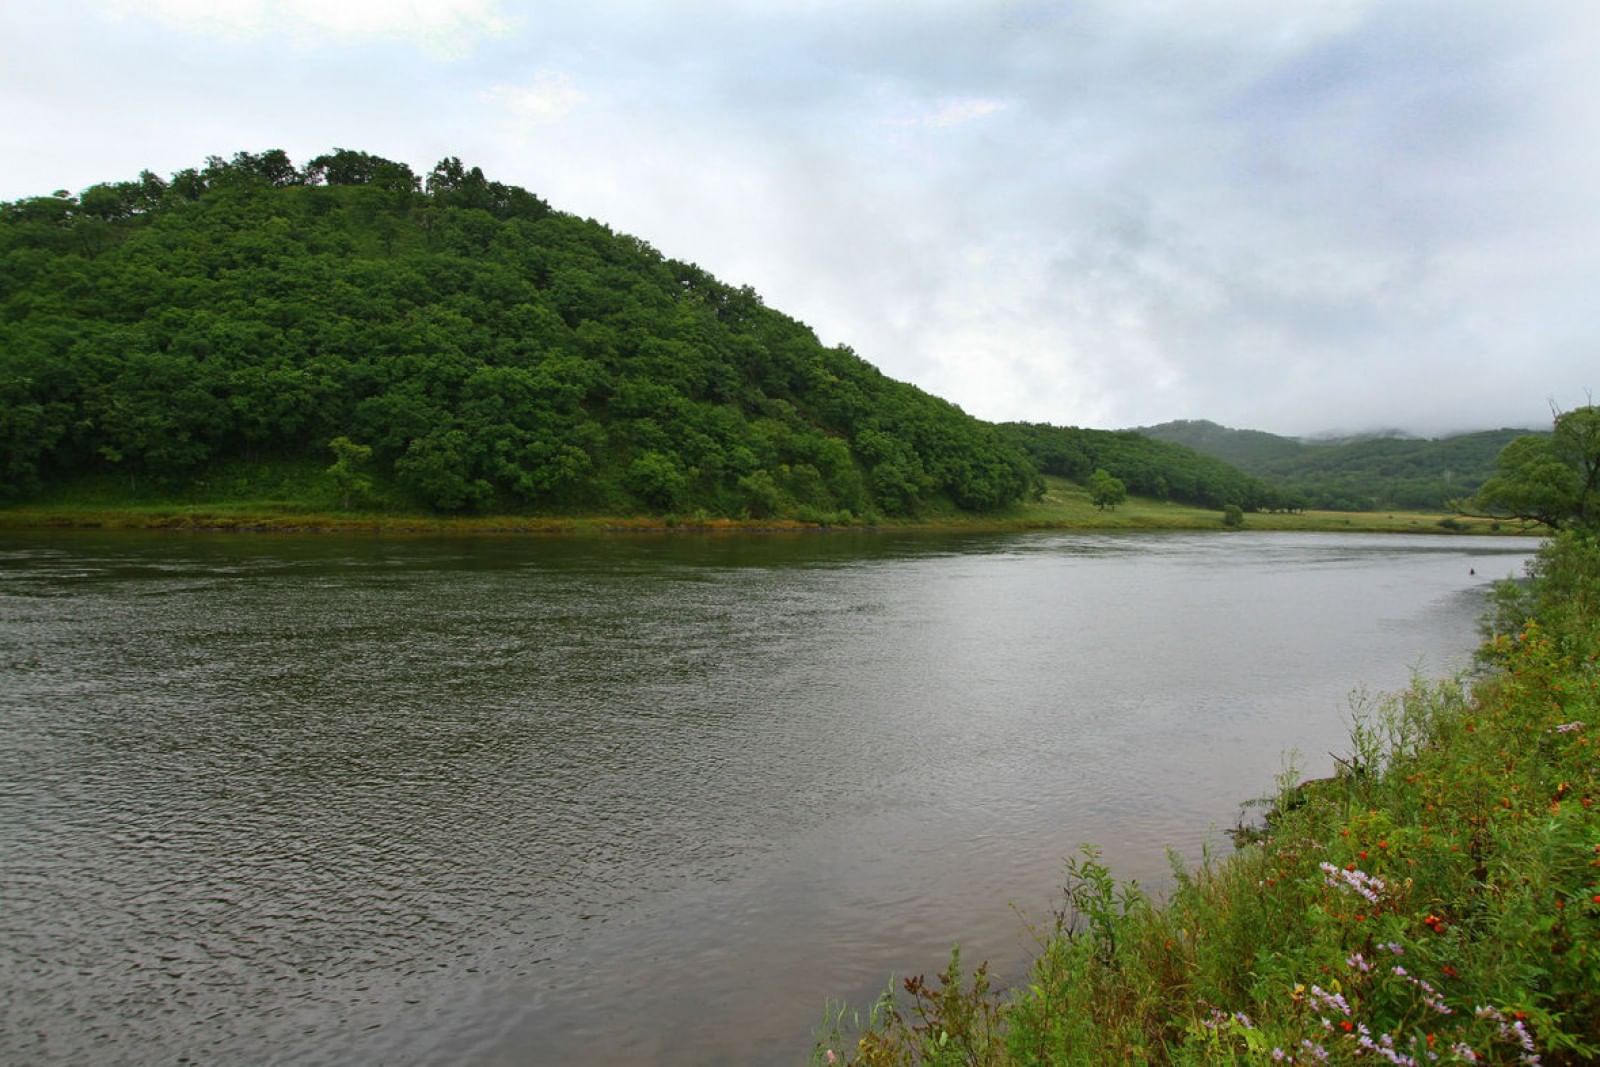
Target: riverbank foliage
{"type": "Point", "coordinates": [285, 497]}
{"type": "Point", "coordinates": [494, 354]}
{"type": "Point", "coordinates": [1550, 479]}
{"type": "Point", "coordinates": [1437, 902]}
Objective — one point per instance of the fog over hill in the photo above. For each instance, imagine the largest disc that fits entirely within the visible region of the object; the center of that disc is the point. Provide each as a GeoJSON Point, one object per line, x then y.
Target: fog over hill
{"type": "Point", "coordinates": [1379, 469]}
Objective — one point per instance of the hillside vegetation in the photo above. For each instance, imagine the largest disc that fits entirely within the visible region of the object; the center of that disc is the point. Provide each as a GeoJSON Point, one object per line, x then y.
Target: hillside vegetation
{"type": "Point", "coordinates": [475, 350]}
{"type": "Point", "coordinates": [1352, 475]}
{"type": "Point", "coordinates": [1152, 468]}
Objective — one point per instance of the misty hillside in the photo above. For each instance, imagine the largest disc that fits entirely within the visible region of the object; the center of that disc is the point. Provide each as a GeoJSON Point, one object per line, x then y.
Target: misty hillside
{"type": "Point", "coordinates": [1357, 472]}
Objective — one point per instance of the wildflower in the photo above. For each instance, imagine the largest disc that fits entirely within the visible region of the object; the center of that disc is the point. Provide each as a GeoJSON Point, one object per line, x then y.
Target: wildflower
{"type": "Point", "coordinates": [1277, 1055]}
{"type": "Point", "coordinates": [1569, 727]}
{"type": "Point", "coordinates": [1430, 995]}
{"type": "Point", "coordinates": [1346, 1025]}
{"type": "Point", "coordinates": [1367, 886]}
{"type": "Point", "coordinates": [1315, 1051]}
{"type": "Point", "coordinates": [1514, 1029]}
{"type": "Point", "coordinates": [831, 1057]}
{"type": "Point", "coordinates": [1325, 999]}
{"type": "Point", "coordinates": [1525, 1039]}
{"type": "Point", "coordinates": [1394, 947]}
{"type": "Point", "coordinates": [1357, 962]}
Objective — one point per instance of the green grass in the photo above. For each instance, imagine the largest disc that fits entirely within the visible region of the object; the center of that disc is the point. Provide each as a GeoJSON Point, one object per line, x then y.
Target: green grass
{"type": "Point", "coordinates": [1067, 504]}
{"type": "Point", "coordinates": [1439, 898]}
{"type": "Point", "coordinates": [288, 495]}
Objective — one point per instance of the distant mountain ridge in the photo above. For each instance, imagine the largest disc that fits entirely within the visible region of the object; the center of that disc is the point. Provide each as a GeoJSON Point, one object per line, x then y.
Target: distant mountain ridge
{"type": "Point", "coordinates": [1354, 472]}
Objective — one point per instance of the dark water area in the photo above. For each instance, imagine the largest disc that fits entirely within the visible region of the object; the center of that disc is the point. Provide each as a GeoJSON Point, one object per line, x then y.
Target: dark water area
{"type": "Point", "coordinates": [330, 800]}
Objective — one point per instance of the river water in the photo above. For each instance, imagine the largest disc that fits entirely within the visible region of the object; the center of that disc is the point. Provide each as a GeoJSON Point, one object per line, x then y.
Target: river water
{"type": "Point", "coordinates": [653, 799]}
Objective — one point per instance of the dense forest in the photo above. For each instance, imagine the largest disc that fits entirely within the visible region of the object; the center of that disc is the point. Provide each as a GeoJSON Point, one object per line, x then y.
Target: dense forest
{"type": "Point", "coordinates": [474, 349]}
{"type": "Point", "coordinates": [1353, 475]}
{"type": "Point", "coordinates": [1147, 466]}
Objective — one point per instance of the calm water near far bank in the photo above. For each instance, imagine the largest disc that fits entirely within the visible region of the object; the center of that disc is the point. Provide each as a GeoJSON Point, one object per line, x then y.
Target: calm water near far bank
{"type": "Point", "coordinates": [341, 799]}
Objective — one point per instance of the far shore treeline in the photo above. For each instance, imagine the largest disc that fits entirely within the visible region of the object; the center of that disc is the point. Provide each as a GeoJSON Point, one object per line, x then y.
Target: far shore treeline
{"type": "Point", "coordinates": [352, 333]}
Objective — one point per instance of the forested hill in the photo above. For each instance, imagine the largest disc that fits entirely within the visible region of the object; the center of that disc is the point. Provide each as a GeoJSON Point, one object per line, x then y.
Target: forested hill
{"type": "Point", "coordinates": [1160, 469]}
{"type": "Point", "coordinates": [493, 353]}
{"type": "Point", "coordinates": [1405, 472]}
{"type": "Point", "coordinates": [1245, 449]}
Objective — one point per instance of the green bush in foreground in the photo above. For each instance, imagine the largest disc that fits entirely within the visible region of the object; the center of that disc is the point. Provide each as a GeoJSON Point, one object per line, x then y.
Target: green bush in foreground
{"type": "Point", "coordinates": [1438, 902]}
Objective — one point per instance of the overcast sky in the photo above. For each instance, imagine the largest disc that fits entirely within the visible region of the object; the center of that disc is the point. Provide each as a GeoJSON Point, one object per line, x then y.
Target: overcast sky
{"type": "Point", "coordinates": [1296, 217]}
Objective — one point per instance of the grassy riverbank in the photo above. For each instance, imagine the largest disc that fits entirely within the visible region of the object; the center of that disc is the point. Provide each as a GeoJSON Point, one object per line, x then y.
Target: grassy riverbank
{"type": "Point", "coordinates": [294, 500]}
{"type": "Point", "coordinates": [1438, 902]}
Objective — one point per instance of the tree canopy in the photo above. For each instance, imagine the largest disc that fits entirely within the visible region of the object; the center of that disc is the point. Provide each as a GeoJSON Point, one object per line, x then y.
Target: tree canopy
{"type": "Point", "coordinates": [491, 352]}
{"type": "Point", "coordinates": [1105, 491]}
{"type": "Point", "coordinates": [460, 345]}
{"type": "Point", "coordinates": [1552, 480]}
{"type": "Point", "coordinates": [1351, 474]}
{"type": "Point", "coordinates": [1145, 466]}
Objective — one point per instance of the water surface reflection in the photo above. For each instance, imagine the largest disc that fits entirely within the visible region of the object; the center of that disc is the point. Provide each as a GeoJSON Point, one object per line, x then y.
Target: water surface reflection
{"type": "Point", "coordinates": [330, 800]}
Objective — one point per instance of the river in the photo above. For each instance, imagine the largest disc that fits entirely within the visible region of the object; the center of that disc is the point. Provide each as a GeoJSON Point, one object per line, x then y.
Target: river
{"type": "Point", "coordinates": [638, 799]}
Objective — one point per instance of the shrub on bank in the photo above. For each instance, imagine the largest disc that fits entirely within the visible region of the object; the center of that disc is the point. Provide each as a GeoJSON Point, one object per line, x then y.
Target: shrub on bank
{"type": "Point", "coordinates": [1437, 902]}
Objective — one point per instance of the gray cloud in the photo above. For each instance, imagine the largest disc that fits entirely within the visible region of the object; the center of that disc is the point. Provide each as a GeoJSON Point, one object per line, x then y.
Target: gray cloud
{"type": "Point", "coordinates": [1348, 214]}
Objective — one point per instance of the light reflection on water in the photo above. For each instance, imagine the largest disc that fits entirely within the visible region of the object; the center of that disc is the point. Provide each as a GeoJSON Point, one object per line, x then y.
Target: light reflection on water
{"type": "Point", "coordinates": [329, 800]}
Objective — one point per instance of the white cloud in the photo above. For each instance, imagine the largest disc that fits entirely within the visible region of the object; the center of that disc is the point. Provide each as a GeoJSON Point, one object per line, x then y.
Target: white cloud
{"type": "Point", "coordinates": [951, 112]}
{"type": "Point", "coordinates": [1351, 213]}
{"type": "Point", "coordinates": [550, 97]}
{"type": "Point", "coordinates": [443, 27]}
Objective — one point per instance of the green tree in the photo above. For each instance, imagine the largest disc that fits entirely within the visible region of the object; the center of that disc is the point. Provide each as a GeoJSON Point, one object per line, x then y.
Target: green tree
{"type": "Point", "coordinates": [656, 479]}
{"type": "Point", "coordinates": [347, 470]}
{"type": "Point", "coordinates": [1106, 492]}
{"type": "Point", "coordinates": [1232, 516]}
{"type": "Point", "coordinates": [1554, 481]}
{"type": "Point", "coordinates": [438, 469]}
{"type": "Point", "coordinates": [761, 496]}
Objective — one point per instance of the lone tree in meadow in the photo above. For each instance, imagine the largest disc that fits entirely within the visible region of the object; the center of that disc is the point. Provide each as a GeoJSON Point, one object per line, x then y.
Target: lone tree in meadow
{"type": "Point", "coordinates": [1106, 492]}
{"type": "Point", "coordinates": [1554, 481]}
